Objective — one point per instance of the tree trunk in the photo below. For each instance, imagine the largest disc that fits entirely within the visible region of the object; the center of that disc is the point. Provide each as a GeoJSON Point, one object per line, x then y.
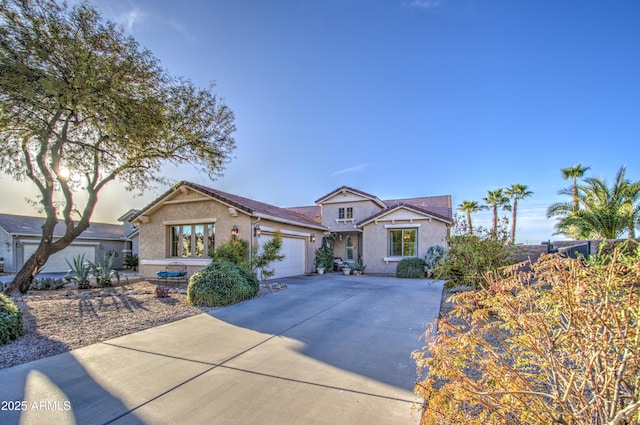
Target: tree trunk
{"type": "Point", "coordinates": [469, 222]}
{"type": "Point", "coordinates": [513, 222]}
{"type": "Point", "coordinates": [30, 269]}
{"type": "Point", "coordinates": [495, 222]}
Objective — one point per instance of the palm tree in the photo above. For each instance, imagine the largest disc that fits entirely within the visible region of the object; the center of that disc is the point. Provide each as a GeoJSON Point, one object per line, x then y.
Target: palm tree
{"type": "Point", "coordinates": [604, 212]}
{"type": "Point", "coordinates": [470, 207]}
{"type": "Point", "coordinates": [496, 199]}
{"type": "Point", "coordinates": [576, 172]}
{"type": "Point", "coordinates": [516, 192]}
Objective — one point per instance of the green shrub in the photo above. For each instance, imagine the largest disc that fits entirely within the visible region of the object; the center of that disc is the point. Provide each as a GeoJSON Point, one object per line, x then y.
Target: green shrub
{"type": "Point", "coordinates": [10, 320]}
{"type": "Point", "coordinates": [470, 257]}
{"type": "Point", "coordinates": [412, 267]}
{"type": "Point", "coordinates": [235, 251]}
{"type": "Point", "coordinates": [79, 273]}
{"type": "Point", "coordinates": [557, 345]}
{"type": "Point", "coordinates": [221, 283]}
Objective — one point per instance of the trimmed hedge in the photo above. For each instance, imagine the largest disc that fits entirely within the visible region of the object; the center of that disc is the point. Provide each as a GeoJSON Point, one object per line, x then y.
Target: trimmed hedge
{"type": "Point", "coordinates": [412, 267]}
{"type": "Point", "coordinates": [220, 284]}
{"type": "Point", "coordinates": [10, 320]}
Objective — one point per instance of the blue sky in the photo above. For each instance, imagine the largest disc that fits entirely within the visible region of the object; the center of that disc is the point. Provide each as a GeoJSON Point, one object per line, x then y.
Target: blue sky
{"type": "Point", "coordinates": [402, 98]}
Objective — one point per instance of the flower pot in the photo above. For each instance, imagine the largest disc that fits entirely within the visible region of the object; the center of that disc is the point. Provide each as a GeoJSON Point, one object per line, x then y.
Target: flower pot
{"type": "Point", "coordinates": [346, 271]}
{"type": "Point", "coordinates": [320, 270]}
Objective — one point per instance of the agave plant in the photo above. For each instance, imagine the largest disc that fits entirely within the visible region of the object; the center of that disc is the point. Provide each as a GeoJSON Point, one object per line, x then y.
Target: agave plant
{"type": "Point", "coordinates": [103, 271]}
{"type": "Point", "coordinates": [79, 272]}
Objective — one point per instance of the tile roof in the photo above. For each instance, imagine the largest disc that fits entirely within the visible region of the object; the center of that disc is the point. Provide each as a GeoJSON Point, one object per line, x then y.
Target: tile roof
{"type": "Point", "coordinates": [21, 225]}
{"type": "Point", "coordinates": [247, 205]}
{"type": "Point", "coordinates": [313, 212]}
{"type": "Point", "coordinates": [404, 205]}
{"type": "Point", "coordinates": [342, 188]}
{"type": "Point", "coordinates": [440, 205]}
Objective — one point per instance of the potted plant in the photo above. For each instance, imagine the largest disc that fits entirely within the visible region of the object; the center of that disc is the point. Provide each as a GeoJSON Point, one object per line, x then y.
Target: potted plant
{"type": "Point", "coordinates": [320, 268]}
{"type": "Point", "coordinates": [358, 268]}
{"type": "Point", "coordinates": [346, 269]}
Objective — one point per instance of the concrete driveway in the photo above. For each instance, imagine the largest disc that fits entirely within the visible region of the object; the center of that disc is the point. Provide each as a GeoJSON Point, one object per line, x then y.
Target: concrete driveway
{"type": "Point", "coordinates": [329, 350]}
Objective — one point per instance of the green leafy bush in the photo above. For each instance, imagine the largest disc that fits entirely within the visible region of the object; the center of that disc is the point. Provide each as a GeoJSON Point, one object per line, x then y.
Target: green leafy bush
{"type": "Point", "coordinates": [556, 345]}
{"type": "Point", "coordinates": [235, 251]}
{"type": "Point", "coordinates": [412, 267]}
{"type": "Point", "coordinates": [10, 320]}
{"type": "Point", "coordinates": [470, 257]}
{"type": "Point", "coordinates": [220, 284]}
{"type": "Point", "coordinates": [324, 254]}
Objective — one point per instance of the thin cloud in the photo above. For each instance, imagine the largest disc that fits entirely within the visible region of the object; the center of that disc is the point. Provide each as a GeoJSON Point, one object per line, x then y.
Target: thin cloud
{"type": "Point", "coordinates": [423, 4]}
{"type": "Point", "coordinates": [130, 19]}
{"type": "Point", "coordinates": [349, 170]}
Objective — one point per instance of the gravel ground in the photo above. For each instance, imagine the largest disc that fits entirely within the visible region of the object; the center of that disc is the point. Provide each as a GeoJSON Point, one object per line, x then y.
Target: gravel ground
{"type": "Point", "coordinates": [62, 320]}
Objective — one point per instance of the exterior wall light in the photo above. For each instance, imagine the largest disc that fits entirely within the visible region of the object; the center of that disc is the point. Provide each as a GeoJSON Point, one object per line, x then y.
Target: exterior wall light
{"type": "Point", "coordinates": [234, 231]}
{"type": "Point", "coordinates": [257, 231]}
{"type": "Point", "coordinates": [312, 238]}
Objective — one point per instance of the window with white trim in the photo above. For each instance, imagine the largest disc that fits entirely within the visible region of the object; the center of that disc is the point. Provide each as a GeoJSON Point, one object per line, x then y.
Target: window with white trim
{"type": "Point", "coordinates": [345, 213]}
{"type": "Point", "coordinates": [403, 242]}
{"type": "Point", "coordinates": [192, 240]}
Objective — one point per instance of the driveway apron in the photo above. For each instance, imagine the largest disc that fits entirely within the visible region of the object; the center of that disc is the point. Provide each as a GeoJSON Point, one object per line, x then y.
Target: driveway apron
{"type": "Point", "coordinates": [330, 349]}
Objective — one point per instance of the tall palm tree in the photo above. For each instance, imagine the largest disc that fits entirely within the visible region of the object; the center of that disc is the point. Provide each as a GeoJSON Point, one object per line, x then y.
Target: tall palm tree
{"type": "Point", "coordinates": [496, 199]}
{"type": "Point", "coordinates": [604, 212]}
{"type": "Point", "coordinates": [516, 192]}
{"type": "Point", "coordinates": [574, 173]}
{"type": "Point", "coordinates": [470, 207]}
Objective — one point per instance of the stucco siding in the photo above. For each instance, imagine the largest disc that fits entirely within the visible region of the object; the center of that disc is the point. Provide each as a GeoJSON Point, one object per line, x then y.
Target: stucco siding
{"type": "Point", "coordinates": [376, 242]}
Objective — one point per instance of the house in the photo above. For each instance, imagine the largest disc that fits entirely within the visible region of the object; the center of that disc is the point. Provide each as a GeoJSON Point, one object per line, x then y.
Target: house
{"type": "Point", "coordinates": [20, 236]}
{"type": "Point", "coordinates": [380, 233]}
{"type": "Point", "coordinates": [190, 220]}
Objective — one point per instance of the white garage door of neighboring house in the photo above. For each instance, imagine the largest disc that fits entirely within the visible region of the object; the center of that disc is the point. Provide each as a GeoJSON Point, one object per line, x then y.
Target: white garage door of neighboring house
{"type": "Point", "coordinates": [56, 263]}
{"type": "Point", "coordinates": [293, 263]}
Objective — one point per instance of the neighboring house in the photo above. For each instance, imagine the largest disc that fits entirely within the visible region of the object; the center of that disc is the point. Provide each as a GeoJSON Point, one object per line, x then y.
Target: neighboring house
{"type": "Point", "coordinates": [189, 221]}
{"type": "Point", "coordinates": [20, 236]}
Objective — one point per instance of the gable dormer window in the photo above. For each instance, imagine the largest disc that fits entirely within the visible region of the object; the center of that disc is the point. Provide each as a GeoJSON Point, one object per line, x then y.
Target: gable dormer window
{"type": "Point", "coordinates": [345, 213]}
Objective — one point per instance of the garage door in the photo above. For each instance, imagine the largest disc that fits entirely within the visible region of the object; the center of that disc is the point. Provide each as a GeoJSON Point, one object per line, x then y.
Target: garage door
{"type": "Point", "coordinates": [56, 263]}
{"type": "Point", "coordinates": [293, 263]}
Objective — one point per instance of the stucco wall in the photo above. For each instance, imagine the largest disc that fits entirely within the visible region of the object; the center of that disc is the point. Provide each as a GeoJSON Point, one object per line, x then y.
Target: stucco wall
{"type": "Point", "coordinates": [376, 242]}
{"type": "Point", "coordinates": [361, 210]}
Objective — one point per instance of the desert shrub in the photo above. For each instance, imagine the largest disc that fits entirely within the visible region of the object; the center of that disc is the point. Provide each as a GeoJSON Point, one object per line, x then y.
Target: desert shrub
{"type": "Point", "coordinates": [10, 320]}
{"type": "Point", "coordinates": [412, 267]}
{"type": "Point", "coordinates": [435, 256]}
{"type": "Point", "coordinates": [219, 284]}
{"type": "Point", "coordinates": [470, 257]}
{"type": "Point", "coordinates": [558, 344]}
{"type": "Point", "coordinates": [628, 247]}
{"type": "Point", "coordinates": [46, 284]}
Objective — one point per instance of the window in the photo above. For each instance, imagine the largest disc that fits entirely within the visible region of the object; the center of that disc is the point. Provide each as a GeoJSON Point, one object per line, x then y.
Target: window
{"type": "Point", "coordinates": [345, 212]}
{"type": "Point", "coordinates": [403, 242]}
{"type": "Point", "coordinates": [192, 240]}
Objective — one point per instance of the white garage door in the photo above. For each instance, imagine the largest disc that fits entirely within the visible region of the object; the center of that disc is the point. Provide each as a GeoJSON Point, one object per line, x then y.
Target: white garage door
{"type": "Point", "coordinates": [56, 263]}
{"type": "Point", "coordinates": [293, 263]}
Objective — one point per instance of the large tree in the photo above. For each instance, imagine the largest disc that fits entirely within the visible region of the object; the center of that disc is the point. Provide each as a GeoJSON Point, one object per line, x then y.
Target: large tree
{"type": "Point", "coordinates": [605, 212]}
{"type": "Point", "coordinates": [470, 207]}
{"type": "Point", "coordinates": [496, 199]}
{"type": "Point", "coordinates": [82, 105]}
{"type": "Point", "coordinates": [516, 192]}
